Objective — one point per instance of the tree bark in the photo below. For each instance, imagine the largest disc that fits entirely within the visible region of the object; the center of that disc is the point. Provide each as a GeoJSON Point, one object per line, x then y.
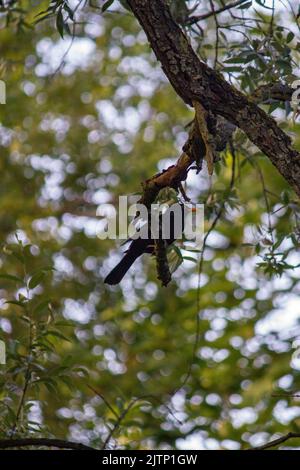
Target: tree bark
{"type": "Point", "coordinates": [193, 80]}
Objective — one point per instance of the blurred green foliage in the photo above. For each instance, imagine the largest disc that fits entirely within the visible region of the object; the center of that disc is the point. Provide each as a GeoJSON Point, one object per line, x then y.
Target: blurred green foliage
{"type": "Point", "coordinates": [88, 118]}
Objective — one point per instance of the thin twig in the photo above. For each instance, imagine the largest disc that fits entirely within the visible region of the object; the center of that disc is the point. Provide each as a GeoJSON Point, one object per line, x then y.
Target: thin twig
{"type": "Point", "coordinates": [200, 270]}
{"type": "Point", "coordinates": [105, 401]}
{"type": "Point", "coordinates": [217, 33]}
{"type": "Point", "coordinates": [65, 54]}
{"type": "Point", "coordinates": [271, 29]}
{"type": "Point", "coordinates": [261, 177]}
{"type": "Point", "coordinates": [120, 417]}
{"type": "Point", "coordinates": [119, 420]}
{"type": "Point", "coordinates": [27, 376]}
{"type": "Point", "coordinates": [195, 19]}
{"type": "Point", "coordinates": [284, 395]}
{"type": "Point", "coordinates": [277, 442]}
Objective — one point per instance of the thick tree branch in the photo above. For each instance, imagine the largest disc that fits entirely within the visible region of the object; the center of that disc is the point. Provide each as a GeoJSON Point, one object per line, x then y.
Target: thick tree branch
{"type": "Point", "coordinates": [42, 442]}
{"type": "Point", "coordinates": [175, 174]}
{"type": "Point", "coordinates": [195, 81]}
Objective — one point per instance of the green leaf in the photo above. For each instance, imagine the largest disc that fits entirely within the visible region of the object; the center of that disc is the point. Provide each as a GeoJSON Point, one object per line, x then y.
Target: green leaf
{"type": "Point", "coordinates": [36, 279]}
{"type": "Point", "coordinates": [60, 23]}
{"type": "Point", "coordinates": [70, 11]}
{"type": "Point", "coordinates": [107, 5]}
{"type": "Point", "coordinates": [290, 37]}
{"type": "Point", "coordinates": [56, 334]}
{"type": "Point", "coordinates": [262, 3]}
{"type": "Point", "coordinates": [10, 277]}
{"type": "Point", "coordinates": [15, 302]}
{"type": "Point", "coordinates": [41, 306]}
{"type": "Point", "coordinates": [189, 258]}
{"type": "Point", "coordinates": [42, 18]}
{"type": "Point", "coordinates": [245, 6]}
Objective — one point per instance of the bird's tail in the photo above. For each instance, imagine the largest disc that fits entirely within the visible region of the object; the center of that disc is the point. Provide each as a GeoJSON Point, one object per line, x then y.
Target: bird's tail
{"type": "Point", "coordinates": [119, 271]}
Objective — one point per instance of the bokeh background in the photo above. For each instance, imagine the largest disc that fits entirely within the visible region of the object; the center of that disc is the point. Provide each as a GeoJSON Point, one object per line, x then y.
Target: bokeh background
{"type": "Point", "coordinates": [88, 117]}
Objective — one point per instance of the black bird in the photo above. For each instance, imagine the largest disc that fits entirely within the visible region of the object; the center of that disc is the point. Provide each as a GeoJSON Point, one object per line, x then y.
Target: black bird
{"type": "Point", "coordinates": [140, 246]}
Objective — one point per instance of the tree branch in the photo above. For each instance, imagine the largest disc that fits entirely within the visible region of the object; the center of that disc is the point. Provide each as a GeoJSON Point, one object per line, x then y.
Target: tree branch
{"type": "Point", "coordinates": [196, 18]}
{"type": "Point", "coordinates": [175, 174]}
{"type": "Point", "coordinates": [193, 80]}
{"type": "Point", "coordinates": [277, 442]}
{"type": "Point", "coordinates": [43, 442]}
